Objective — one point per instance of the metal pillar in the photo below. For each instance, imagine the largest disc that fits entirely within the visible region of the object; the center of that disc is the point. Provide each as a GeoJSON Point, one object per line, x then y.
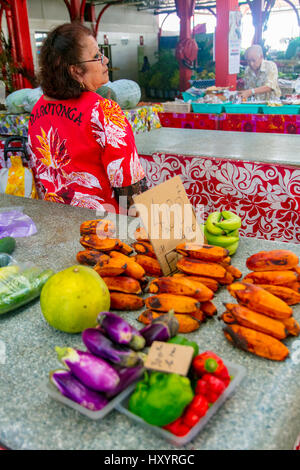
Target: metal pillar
{"type": "Point", "coordinates": [16, 78]}
{"type": "Point", "coordinates": [223, 78]}
{"type": "Point", "coordinates": [257, 19]}
{"type": "Point", "coordinates": [19, 36]}
{"type": "Point", "coordinates": [77, 9]}
{"type": "Point", "coordinates": [186, 51]}
{"type": "Point", "coordinates": [96, 25]}
{"type": "Point", "coordinates": [74, 9]}
{"type": "Point", "coordinates": [22, 41]}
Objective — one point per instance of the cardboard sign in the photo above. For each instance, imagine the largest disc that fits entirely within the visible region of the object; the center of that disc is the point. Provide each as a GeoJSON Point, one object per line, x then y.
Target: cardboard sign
{"type": "Point", "coordinates": [168, 357]}
{"type": "Point", "coordinates": [169, 219]}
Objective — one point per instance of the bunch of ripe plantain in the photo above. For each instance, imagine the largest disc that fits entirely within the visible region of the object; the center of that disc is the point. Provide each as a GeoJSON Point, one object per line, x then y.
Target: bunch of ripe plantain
{"type": "Point", "coordinates": [263, 316]}
{"type": "Point", "coordinates": [110, 258]}
{"type": "Point", "coordinates": [203, 268]}
{"type": "Point", "coordinates": [222, 229]}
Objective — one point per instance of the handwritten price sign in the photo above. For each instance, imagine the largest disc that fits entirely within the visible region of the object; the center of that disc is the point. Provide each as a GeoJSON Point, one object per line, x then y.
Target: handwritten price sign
{"type": "Point", "coordinates": [169, 219]}
{"type": "Point", "coordinates": [168, 357]}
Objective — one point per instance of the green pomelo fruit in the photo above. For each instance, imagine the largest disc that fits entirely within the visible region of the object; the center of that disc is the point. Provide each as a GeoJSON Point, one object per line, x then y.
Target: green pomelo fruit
{"type": "Point", "coordinates": [72, 299]}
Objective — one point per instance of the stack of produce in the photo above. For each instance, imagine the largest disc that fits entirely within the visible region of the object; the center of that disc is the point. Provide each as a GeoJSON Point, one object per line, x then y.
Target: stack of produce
{"type": "Point", "coordinates": [108, 366]}
{"type": "Point", "coordinates": [112, 362]}
{"type": "Point", "coordinates": [276, 271]}
{"type": "Point", "coordinates": [209, 264]}
{"type": "Point", "coordinates": [263, 316]}
{"type": "Point", "coordinates": [222, 229]}
{"type": "Point", "coordinates": [178, 403]}
{"type": "Point", "coordinates": [190, 293]}
{"type": "Point", "coordinates": [123, 276]}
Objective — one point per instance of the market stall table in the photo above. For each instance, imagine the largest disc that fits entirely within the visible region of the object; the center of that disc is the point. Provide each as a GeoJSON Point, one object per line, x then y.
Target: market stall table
{"type": "Point", "coordinates": [141, 118]}
{"type": "Point", "coordinates": [268, 123]}
{"type": "Point", "coordinates": [255, 175]}
{"type": "Point", "coordinates": [264, 413]}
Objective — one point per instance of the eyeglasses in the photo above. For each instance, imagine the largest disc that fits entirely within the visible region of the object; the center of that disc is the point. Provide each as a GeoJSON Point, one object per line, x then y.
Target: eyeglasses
{"type": "Point", "coordinates": [99, 57]}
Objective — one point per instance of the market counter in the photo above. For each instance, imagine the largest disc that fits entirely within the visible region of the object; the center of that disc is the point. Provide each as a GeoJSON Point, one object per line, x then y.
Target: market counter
{"type": "Point", "coordinates": [266, 148]}
{"type": "Point", "coordinates": [264, 413]}
{"type": "Point", "coordinates": [255, 175]}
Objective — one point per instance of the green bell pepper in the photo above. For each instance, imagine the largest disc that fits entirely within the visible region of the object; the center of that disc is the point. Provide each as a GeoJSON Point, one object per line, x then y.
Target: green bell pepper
{"type": "Point", "coordinates": [161, 398]}
{"type": "Point", "coordinates": [185, 342]}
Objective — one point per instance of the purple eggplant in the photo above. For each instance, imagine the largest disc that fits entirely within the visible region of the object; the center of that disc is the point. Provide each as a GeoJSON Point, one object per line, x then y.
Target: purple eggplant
{"type": "Point", "coordinates": [93, 372]}
{"type": "Point", "coordinates": [170, 320]}
{"type": "Point", "coordinates": [127, 375]}
{"type": "Point", "coordinates": [155, 332]}
{"type": "Point", "coordinates": [120, 331]}
{"type": "Point", "coordinates": [103, 347]}
{"type": "Point", "coordinates": [71, 388]}
{"type": "Point", "coordinates": [161, 329]}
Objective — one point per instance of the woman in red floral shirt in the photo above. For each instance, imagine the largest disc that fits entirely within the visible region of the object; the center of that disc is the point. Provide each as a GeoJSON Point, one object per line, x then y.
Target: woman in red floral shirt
{"type": "Point", "coordinates": [82, 145]}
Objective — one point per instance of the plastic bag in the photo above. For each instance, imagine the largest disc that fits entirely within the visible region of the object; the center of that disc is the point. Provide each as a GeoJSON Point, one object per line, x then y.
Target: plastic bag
{"type": "Point", "coordinates": [14, 101]}
{"type": "Point", "coordinates": [32, 98]}
{"type": "Point", "coordinates": [17, 180]}
{"type": "Point", "coordinates": [126, 93]}
{"type": "Point", "coordinates": [16, 224]}
{"type": "Point", "coordinates": [22, 101]}
{"type": "Point", "coordinates": [107, 92]}
{"type": "Point", "coordinates": [21, 284]}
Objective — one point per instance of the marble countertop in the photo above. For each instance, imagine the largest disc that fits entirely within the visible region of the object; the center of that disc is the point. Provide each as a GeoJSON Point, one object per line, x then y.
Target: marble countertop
{"type": "Point", "coordinates": [263, 413]}
{"type": "Point", "coordinates": [256, 147]}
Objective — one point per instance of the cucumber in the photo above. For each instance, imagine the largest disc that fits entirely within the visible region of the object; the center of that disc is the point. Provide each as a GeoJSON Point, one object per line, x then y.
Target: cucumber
{"type": "Point", "coordinates": [7, 245]}
{"type": "Point", "coordinates": [19, 289]}
{"type": "Point", "coordinates": [31, 273]}
{"type": "Point", "coordinates": [43, 278]}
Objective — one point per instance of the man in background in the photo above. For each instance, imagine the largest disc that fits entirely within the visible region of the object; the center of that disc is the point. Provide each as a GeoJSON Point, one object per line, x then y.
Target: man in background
{"type": "Point", "coordinates": [261, 77]}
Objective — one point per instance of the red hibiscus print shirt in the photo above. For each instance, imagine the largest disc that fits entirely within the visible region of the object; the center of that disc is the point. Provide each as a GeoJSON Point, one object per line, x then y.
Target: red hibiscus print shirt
{"type": "Point", "coordinates": [81, 149]}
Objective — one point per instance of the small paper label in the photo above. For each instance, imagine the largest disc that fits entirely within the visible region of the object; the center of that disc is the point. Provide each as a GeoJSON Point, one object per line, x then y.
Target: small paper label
{"type": "Point", "coordinates": [168, 357]}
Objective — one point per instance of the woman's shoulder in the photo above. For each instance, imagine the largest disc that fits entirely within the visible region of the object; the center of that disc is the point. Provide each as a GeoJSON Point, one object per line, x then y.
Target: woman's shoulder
{"type": "Point", "coordinates": [88, 98]}
{"type": "Point", "coordinates": [95, 101]}
{"type": "Point", "coordinates": [85, 99]}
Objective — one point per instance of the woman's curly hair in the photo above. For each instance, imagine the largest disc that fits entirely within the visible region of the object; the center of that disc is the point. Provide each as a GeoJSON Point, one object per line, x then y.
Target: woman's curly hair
{"type": "Point", "coordinates": [62, 48]}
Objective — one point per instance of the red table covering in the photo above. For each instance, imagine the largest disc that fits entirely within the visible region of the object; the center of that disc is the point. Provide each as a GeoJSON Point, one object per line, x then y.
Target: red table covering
{"type": "Point", "coordinates": [277, 123]}
{"type": "Point", "coordinates": [266, 196]}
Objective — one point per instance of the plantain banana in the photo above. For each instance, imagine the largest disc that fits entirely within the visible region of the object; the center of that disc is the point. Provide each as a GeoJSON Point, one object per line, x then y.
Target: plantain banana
{"type": "Point", "coordinates": [232, 248]}
{"type": "Point", "coordinates": [181, 286]}
{"type": "Point", "coordinates": [211, 221]}
{"type": "Point", "coordinates": [220, 240]}
{"type": "Point", "coordinates": [232, 221]}
{"type": "Point", "coordinates": [166, 302]}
